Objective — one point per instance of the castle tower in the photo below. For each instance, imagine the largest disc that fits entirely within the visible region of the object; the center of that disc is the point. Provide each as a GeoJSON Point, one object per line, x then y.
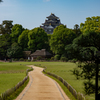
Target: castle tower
{"type": "Point", "coordinates": [51, 23]}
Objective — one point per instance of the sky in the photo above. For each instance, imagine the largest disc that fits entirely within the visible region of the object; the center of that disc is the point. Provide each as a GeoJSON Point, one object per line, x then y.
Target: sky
{"type": "Point", "coordinates": [32, 13]}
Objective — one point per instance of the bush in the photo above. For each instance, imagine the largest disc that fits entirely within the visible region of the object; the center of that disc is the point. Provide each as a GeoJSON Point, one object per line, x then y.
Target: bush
{"type": "Point", "coordinates": [52, 58]}
{"type": "Point", "coordinates": [74, 60]}
{"type": "Point", "coordinates": [57, 57]}
{"type": "Point", "coordinates": [64, 59]}
{"type": "Point", "coordinates": [21, 59]}
{"type": "Point", "coordinates": [15, 59]}
{"type": "Point", "coordinates": [39, 58]}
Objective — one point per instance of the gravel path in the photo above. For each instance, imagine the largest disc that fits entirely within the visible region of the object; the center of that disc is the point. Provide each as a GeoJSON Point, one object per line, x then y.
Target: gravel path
{"type": "Point", "coordinates": [41, 87]}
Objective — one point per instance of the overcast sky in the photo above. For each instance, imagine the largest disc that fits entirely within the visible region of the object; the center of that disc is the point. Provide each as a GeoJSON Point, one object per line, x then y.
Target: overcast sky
{"type": "Point", "coordinates": [32, 13]}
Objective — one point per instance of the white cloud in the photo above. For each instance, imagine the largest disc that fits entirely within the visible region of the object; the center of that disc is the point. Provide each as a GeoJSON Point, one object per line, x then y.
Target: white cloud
{"type": "Point", "coordinates": [46, 0]}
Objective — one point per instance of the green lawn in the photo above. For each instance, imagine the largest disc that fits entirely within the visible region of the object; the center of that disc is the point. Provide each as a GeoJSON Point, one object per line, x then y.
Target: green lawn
{"type": "Point", "coordinates": [62, 69]}
{"type": "Point", "coordinates": [10, 75]}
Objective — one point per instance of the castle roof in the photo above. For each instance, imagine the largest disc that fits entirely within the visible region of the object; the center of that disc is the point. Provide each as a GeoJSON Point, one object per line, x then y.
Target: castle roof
{"type": "Point", "coordinates": [52, 16]}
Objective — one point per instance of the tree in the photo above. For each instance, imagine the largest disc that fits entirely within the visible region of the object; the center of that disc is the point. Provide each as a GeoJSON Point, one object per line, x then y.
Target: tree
{"type": "Point", "coordinates": [85, 48]}
{"type": "Point", "coordinates": [6, 27]}
{"type": "Point", "coordinates": [5, 42]}
{"type": "Point", "coordinates": [15, 51]}
{"type": "Point", "coordinates": [23, 39]}
{"type": "Point", "coordinates": [61, 37]}
{"type": "Point", "coordinates": [77, 29]}
{"type": "Point", "coordinates": [92, 23]}
{"type": "Point", "coordinates": [16, 32]}
{"type": "Point", "coordinates": [37, 39]}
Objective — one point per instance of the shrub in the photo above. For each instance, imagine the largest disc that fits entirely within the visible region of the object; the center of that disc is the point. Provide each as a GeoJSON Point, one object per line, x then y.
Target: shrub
{"type": "Point", "coordinates": [21, 59]}
{"type": "Point", "coordinates": [57, 57]}
{"type": "Point", "coordinates": [74, 60]}
{"type": "Point", "coordinates": [64, 59]}
{"type": "Point", "coordinates": [39, 58]}
{"type": "Point", "coordinates": [52, 58]}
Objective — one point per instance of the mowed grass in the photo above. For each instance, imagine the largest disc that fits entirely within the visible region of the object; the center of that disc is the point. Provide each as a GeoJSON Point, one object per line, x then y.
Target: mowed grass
{"type": "Point", "coordinates": [62, 69]}
{"type": "Point", "coordinates": [10, 75]}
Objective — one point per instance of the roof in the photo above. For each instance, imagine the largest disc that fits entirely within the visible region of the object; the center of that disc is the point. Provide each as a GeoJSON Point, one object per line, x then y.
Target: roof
{"type": "Point", "coordinates": [27, 53]}
{"type": "Point", "coordinates": [42, 52]}
{"type": "Point", "coordinates": [52, 16]}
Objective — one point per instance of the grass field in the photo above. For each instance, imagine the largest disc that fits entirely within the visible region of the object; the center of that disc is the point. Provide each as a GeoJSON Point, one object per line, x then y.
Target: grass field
{"type": "Point", "coordinates": [16, 70]}
{"type": "Point", "coordinates": [10, 75]}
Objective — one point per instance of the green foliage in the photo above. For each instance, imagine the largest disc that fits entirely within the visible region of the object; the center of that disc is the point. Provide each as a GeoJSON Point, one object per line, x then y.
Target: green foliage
{"type": "Point", "coordinates": [89, 87]}
{"type": "Point", "coordinates": [52, 58]}
{"type": "Point", "coordinates": [91, 23]}
{"type": "Point", "coordinates": [23, 39]}
{"type": "Point", "coordinates": [57, 57]}
{"type": "Point", "coordinates": [39, 58]}
{"type": "Point", "coordinates": [16, 32]}
{"type": "Point", "coordinates": [21, 59]}
{"type": "Point", "coordinates": [84, 49]}
{"type": "Point", "coordinates": [15, 51]}
{"type": "Point", "coordinates": [37, 39]}
{"type": "Point", "coordinates": [5, 27]}
{"type": "Point", "coordinates": [77, 30]}
{"type": "Point", "coordinates": [61, 37]}
{"type": "Point", "coordinates": [4, 44]}
{"type": "Point", "coordinates": [64, 59]}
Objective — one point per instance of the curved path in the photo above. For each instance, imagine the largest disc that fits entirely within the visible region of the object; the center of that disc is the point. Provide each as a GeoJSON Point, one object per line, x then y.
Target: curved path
{"type": "Point", "coordinates": [41, 87]}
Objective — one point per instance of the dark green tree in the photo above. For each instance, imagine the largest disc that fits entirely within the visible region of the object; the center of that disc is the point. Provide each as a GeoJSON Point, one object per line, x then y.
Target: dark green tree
{"type": "Point", "coordinates": [16, 32]}
{"type": "Point", "coordinates": [23, 39]}
{"type": "Point", "coordinates": [6, 27]}
{"type": "Point", "coordinates": [15, 51]}
{"type": "Point", "coordinates": [77, 29]}
{"type": "Point", "coordinates": [37, 39]}
{"type": "Point", "coordinates": [5, 42]}
{"type": "Point", "coordinates": [85, 48]}
{"type": "Point", "coordinates": [61, 37]}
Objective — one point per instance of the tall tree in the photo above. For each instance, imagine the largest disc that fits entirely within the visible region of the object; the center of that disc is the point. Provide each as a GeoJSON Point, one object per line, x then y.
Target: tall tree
{"type": "Point", "coordinates": [77, 29]}
{"type": "Point", "coordinates": [15, 51]}
{"type": "Point", "coordinates": [61, 37]}
{"type": "Point", "coordinates": [6, 27]}
{"type": "Point", "coordinates": [37, 39]}
{"type": "Point", "coordinates": [23, 39]}
{"type": "Point", "coordinates": [85, 48]}
{"type": "Point", "coordinates": [16, 32]}
{"type": "Point", "coordinates": [5, 42]}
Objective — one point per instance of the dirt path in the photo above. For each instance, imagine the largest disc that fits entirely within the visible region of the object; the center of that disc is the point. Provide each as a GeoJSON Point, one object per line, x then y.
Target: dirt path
{"type": "Point", "coordinates": [41, 87]}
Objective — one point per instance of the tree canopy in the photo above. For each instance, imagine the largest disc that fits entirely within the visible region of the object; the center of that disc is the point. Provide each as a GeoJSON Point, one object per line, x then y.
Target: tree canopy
{"type": "Point", "coordinates": [91, 23]}
{"type": "Point", "coordinates": [61, 37]}
{"type": "Point", "coordinates": [16, 32]}
{"type": "Point", "coordinates": [15, 51]}
{"type": "Point", "coordinates": [37, 39]}
{"type": "Point", "coordinates": [84, 49]}
{"type": "Point", "coordinates": [23, 39]}
{"type": "Point", "coordinates": [5, 42]}
{"type": "Point", "coordinates": [6, 27]}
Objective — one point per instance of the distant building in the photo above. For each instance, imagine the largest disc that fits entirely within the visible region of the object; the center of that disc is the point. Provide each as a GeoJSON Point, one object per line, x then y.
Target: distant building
{"type": "Point", "coordinates": [51, 23]}
{"type": "Point", "coordinates": [42, 53]}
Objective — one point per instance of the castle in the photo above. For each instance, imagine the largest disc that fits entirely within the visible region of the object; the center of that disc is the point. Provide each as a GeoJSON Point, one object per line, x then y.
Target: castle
{"type": "Point", "coordinates": [51, 23]}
